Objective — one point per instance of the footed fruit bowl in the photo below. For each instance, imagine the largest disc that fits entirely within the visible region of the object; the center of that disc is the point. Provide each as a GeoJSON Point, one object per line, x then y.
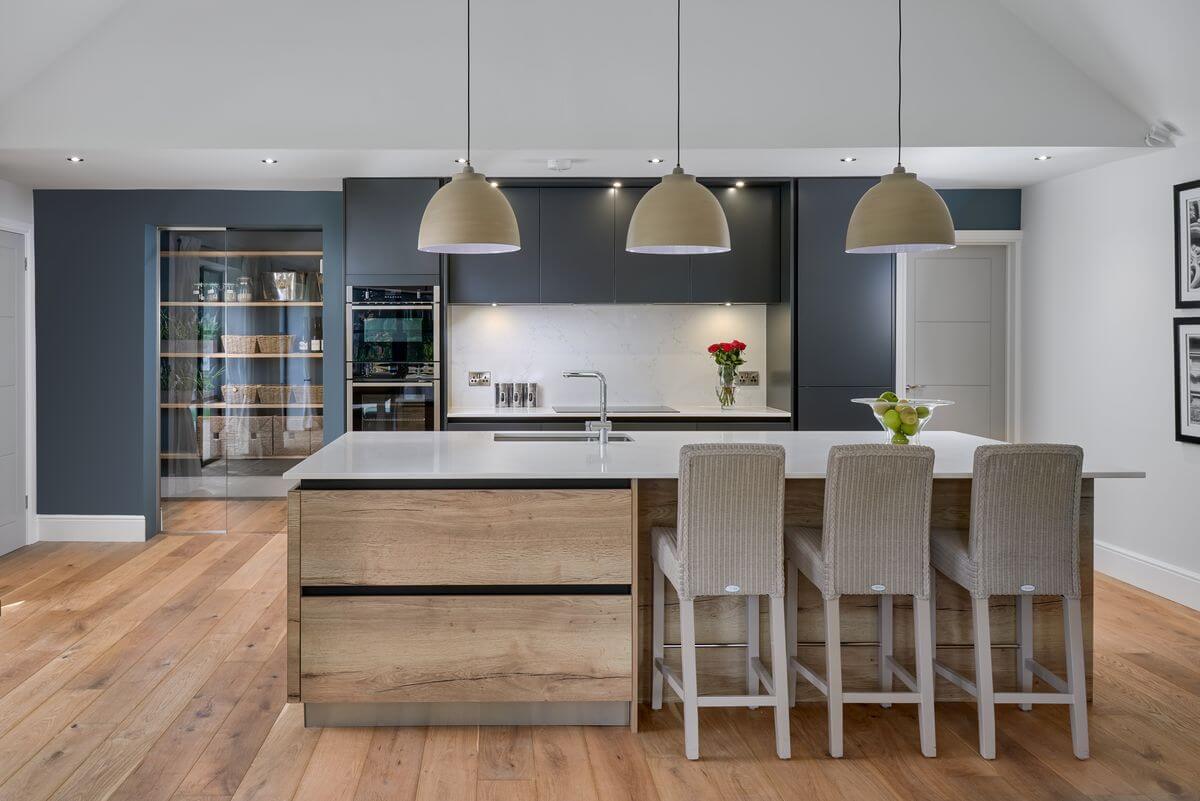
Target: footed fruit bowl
{"type": "Point", "coordinates": [902, 419]}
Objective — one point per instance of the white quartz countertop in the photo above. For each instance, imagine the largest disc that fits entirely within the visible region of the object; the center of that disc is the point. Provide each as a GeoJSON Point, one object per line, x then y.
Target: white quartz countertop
{"type": "Point", "coordinates": [681, 412]}
{"type": "Point", "coordinates": [462, 455]}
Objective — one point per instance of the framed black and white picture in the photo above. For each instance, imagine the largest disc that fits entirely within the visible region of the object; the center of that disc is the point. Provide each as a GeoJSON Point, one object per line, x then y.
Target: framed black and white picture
{"type": "Point", "coordinates": [1187, 245]}
{"type": "Point", "coordinates": [1187, 379]}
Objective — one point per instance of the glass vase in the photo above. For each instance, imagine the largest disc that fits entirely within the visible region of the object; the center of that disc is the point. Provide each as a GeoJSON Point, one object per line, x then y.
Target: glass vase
{"type": "Point", "coordinates": [726, 386]}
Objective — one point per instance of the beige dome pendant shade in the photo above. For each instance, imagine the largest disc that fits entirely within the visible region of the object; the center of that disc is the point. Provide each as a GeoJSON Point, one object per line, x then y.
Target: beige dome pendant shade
{"type": "Point", "coordinates": [900, 214]}
{"type": "Point", "coordinates": [679, 216]}
{"type": "Point", "coordinates": [468, 215]}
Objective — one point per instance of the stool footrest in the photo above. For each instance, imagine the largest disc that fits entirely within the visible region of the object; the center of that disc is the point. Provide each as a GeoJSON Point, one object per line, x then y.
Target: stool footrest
{"type": "Point", "coordinates": [735, 700]}
{"type": "Point", "coordinates": [876, 697]}
{"type": "Point", "coordinates": [1034, 698]}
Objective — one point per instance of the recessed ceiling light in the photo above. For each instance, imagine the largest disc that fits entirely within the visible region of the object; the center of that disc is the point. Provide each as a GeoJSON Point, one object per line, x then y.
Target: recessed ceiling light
{"type": "Point", "coordinates": [848, 159]}
{"type": "Point", "coordinates": [655, 160]}
{"type": "Point", "coordinates": [270, 161]}
{"type": "Point", "coordinates": [616, 184]}
{"type": "Point", "coordinates": [727, 303]}
{"type": "Point", "coordinates": [494, 305]}
{"type": "Point", "coordinates": [1042, 157]}
{"type": "Point", "coordinates": [739, 184]}
{"type": "Point", "coordinates": [460, 161]}
{"type": "Point", "coordinates": [75, 159]}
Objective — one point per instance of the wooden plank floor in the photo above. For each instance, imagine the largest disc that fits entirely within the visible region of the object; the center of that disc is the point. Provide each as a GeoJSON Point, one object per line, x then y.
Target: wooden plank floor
{"type": "Point", "coordinates": [156, 672]}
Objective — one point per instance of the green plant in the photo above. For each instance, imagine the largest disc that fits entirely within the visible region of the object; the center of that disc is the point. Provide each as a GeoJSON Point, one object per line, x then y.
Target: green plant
{"type": "Point", "coordinates": [209, 327]}
{"type": "Point", "coordinates": [180, 327]}
{"type": "Point", "coordinates": [207, 381]}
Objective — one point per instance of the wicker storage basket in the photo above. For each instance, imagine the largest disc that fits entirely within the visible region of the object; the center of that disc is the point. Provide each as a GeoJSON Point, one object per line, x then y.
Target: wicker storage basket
{"type": "Point", "coordinates": [292, 436]}
{"type": "Point", "coordinates": [276, 394]}
{"type": "Point", "coordinates": [275, 343]}
{"type": "Point", "coordinates": [239, 393]}
{"type": "Point", "coordinates": [308, 393]}
{"type": "Point", "coordinates": [239, 344]}
{"type": "Point", "coordinates": [208, 437]}
{"type": "Point", "coordinates": [246, 437]}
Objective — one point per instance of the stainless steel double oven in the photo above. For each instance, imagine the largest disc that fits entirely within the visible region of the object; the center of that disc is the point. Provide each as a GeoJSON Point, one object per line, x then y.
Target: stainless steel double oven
{"type": "Point", "coordinates": [393, 358]}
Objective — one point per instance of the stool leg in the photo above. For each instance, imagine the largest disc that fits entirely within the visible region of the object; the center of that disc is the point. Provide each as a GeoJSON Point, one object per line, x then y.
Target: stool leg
{"type": "Point", "coordinates": [1076, 678]}
{"type": "Point", "coordinates": [752, 645]}
{"type": "Point", "coordinates": [656, 634]}
{"type": "Point", "coordinates": [779, 677]}
{"type": "Point", "coordinates": [985, 698]}
{"type": "Point", "coordinates": [1025, 645]}
{"type": "Point", "coordinates": [923, 627]}
{"type": "Point", "coordinates": [691, 709]}
{"type": "Point", "coordinates": [833, 673]}
{"type": "Point", "coordinates": [886, 646]}
{"type": "Point", "coordinates": [791, 608]}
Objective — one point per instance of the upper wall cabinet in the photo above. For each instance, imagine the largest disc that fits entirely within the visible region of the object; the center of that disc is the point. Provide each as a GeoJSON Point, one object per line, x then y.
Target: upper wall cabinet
{"type": "Point", "coordinates": [750, 272]}
{"type": "Point", "coordinates": [577, 245]}
{"type": "Point", "coordinates": [383, 217]}
{"type": "Point", "coordinates": [645, 277]}
{"type": "Point", "coordinates": [502, 277]}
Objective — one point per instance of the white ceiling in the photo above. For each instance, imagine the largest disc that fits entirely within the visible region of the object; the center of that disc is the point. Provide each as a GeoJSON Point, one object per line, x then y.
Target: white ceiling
{"type": "Point", "coordinates": [191, 93]}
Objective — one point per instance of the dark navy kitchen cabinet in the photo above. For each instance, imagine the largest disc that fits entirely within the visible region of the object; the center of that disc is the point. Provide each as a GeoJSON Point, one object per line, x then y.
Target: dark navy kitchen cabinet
{"type": "Point", "coordinates": [845, 309]}
{"type": "Point", "coordinates": [503, 277]}
{"type": "Point", "coordinates": [750, 271]}
{"type": "Point", "coordinates": [383, 216]}
{"type": "Point", "coordinates": [646, 277]}
{"type": "Point", "coordinates": [577, 259]}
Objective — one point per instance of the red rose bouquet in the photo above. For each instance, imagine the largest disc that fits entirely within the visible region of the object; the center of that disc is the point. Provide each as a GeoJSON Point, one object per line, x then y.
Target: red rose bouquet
{"type": "Point", "coordinates": [728, 356]}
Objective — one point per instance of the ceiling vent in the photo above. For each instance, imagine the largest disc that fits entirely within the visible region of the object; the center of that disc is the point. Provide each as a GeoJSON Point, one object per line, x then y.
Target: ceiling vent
{"type": "Point", "coordinates": [558, 165]}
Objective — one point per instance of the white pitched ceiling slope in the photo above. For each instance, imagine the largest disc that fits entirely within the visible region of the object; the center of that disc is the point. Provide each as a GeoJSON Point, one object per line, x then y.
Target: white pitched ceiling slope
{"type": "Point", "coordinates": [186, 92]}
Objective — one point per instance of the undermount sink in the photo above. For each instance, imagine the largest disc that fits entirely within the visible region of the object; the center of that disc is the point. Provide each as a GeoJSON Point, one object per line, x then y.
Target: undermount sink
{"type": "Point", "coordinates": [557, 436]}
{"type": "Point", "coordinates": [618, 409]}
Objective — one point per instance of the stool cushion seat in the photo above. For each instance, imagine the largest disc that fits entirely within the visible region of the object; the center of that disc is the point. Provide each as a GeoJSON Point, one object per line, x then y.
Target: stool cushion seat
{"type": "Point", "coordinates": [803, 548]}
{"type": "Point", "coordinates": [664, 550]}
{"type": "Point", "coordinates": [950, 556]}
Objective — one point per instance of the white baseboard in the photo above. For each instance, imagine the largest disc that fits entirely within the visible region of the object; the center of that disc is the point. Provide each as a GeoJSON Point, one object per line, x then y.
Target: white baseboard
{"type": "Point", "coordinates": [91, 528]}
{"type": "Point", "coordinates": [1153, 575]}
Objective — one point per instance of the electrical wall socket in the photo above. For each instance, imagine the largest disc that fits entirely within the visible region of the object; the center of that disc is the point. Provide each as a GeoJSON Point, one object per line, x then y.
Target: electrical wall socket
{"type": "Point", "coordinates": [748, 378]}
{"type": "Point", "coordinates": [481, 379]}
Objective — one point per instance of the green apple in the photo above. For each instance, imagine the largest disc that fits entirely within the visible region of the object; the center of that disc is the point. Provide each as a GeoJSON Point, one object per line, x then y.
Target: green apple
{"type": "Point", "coordinates": [908, 428]}
{"type": "Point", "coordinates": [899, 439]}
{"type": "Point", "coordinates": [881, 407]}
{"type": "Point", "coordinates": [890, 397]}
{"type": "Point", "coordinates": [922, 412]}
{"type": "Point", "coordinates": [907, 414]}
{"type": "Point", "coordinates": [891, 419]}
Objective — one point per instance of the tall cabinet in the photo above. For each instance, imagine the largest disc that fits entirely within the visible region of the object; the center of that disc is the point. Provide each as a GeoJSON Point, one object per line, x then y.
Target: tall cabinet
{"type": "Point", "coordinates": [241, 390]}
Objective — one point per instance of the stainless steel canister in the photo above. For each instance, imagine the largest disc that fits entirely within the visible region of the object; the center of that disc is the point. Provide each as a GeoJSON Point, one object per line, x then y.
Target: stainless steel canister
{"type": "Point", "coordinates": [531, 394]}
{"type": "Point", "coordinates": [520, 391]}
{"type": "Point", "coordinates": [504, 395]}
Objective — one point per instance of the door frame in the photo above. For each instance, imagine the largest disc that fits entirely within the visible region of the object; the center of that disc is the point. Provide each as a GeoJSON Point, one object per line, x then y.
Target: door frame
{"type": "Point", "coordinates": [1011, 241]}
{"type": "Point", "coordinates": [25, 229]}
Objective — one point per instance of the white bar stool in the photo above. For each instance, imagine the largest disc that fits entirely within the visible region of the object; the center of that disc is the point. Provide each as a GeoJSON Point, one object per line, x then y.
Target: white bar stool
{"type": "Point", "coordinates": [874, 541]}
{"type": "Point", "coordinates": [1023, 541]}
{"type": "Point", "coordinates": [729, 541]}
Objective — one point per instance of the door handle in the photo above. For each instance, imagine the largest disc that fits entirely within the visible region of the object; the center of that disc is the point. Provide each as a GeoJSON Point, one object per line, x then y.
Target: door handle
{"type": "Point", "coordinates": [910, 387]}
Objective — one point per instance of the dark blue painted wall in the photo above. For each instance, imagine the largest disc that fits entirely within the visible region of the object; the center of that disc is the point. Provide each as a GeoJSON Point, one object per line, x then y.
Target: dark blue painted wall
{"type": "Point", "coordinates": [97, 331]}
{"type": "Point", "coordinates": [984, 209]}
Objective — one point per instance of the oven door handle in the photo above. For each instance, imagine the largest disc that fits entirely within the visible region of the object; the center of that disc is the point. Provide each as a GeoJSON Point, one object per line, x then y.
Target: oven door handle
{"type": "Point", "coordinates": [393, 383]}
{"type": "Point", "coordinates": [410, 307]}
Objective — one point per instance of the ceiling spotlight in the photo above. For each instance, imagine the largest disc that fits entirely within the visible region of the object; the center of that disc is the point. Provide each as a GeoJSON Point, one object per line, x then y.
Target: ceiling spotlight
{"type": "Point", "coordinates": [739, 184]}
{"type": "Point", "coordinates": [655, 160]}
{"type": "Point", "coordinates": [727, 303]}
{"type": "Point", "coordinates": [849, 159]}
{"type": "Point", "coordinates": [460, 161]}
{"type": "Point", "coordinates": [75, 159]}
{"type": "Point", "coordinates": [616, 184]}
{"type": "Point", "coordinates": [1042, 157]}
{"type": "Point", "coordinates": [494, 305]}
{"type": "Point", "coordinates": [495, 185]}
{"type": "Point", "coordinates": [270, 161]}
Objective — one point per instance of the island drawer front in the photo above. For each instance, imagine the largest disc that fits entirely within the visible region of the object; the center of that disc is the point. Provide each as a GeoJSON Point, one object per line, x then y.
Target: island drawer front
{"type": "Point", "coordinates": [465, 648]}
{"type": "Point", "coordinates": [466, 537]}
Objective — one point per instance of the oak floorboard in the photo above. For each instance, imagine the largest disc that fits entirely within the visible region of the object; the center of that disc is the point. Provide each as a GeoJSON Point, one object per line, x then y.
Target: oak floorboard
{"type": "Point", "coordinates": [279, 765]}
{"type": "Point", "coordinates": [449, 764]}
{"type": "Point", "coordinates": [335, 766]}
{"type": "Point", "coordinates": [393, 765]}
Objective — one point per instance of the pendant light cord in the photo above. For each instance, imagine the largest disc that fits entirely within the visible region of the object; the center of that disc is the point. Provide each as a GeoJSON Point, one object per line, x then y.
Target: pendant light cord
{"type": "Point", "coordinates": [678, 74]}
{"type": "Point", "coordinates": [468, 83]}
{"type": "Point", "coordinates": [899, 77]}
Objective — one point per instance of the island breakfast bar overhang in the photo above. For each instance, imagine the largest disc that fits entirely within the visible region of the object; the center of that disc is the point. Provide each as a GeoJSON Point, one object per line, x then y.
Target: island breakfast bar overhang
{"type": "Point", "coordinates": [448, 578]}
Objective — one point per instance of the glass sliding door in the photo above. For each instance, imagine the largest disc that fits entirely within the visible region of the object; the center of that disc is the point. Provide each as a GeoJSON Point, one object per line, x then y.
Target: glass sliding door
{"type": "Point", "coordinates": [241, 384]}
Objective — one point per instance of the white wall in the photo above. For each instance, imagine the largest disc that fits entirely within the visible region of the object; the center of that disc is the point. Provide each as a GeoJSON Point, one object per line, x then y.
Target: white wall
{"type": "Point", "coordinates": [1098, 300]}
{"type": "Point", "coordinates": [648, 353]}
{"type": "Point", "coordinates": [16, 202]}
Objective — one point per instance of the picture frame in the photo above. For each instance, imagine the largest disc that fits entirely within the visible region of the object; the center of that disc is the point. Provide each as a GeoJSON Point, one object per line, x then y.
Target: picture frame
{"type": "Point", "coordinates": [1187, 245]}
{"type": "Point", "coordinates": [1187, 379]}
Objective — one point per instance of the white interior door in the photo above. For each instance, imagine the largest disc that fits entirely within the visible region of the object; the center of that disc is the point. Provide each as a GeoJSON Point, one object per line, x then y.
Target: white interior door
{"type": "Point", "coordinates": [956, 339]}
{"type": "Point", "coordinates": [12, 391]}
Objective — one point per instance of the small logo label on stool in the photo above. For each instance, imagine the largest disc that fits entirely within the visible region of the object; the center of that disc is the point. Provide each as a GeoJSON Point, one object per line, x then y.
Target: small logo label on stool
{"type": "Point", "coordinates": [1027, 588]}
{"type": "Point", "coordinates": [878, 587]}
{"type": "Point", "coordinates": [732, 588]}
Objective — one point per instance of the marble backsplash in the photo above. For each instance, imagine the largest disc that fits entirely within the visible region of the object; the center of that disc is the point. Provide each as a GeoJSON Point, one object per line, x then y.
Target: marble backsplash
{"type": "Point", "coordinates": [648, 353]}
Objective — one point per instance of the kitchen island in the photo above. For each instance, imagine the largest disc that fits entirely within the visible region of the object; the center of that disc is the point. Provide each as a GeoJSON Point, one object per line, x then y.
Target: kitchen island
{"type": "Point", "coordinates": [466, 577]}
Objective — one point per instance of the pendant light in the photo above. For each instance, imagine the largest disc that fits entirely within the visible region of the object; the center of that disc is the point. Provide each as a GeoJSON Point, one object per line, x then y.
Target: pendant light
{"type": "Point", "coordinates": [468, 215]}
{"type": "Point", "coordinates": [900, 214]}
{"type": "Point", "coordinates": [679, 216]}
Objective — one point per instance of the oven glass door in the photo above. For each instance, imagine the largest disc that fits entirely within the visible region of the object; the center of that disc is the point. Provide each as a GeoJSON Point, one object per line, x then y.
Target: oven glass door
{"type": "Point", "coordinates": [394, 406]}
{"type": "Point", "coordinates": [392, 334]}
